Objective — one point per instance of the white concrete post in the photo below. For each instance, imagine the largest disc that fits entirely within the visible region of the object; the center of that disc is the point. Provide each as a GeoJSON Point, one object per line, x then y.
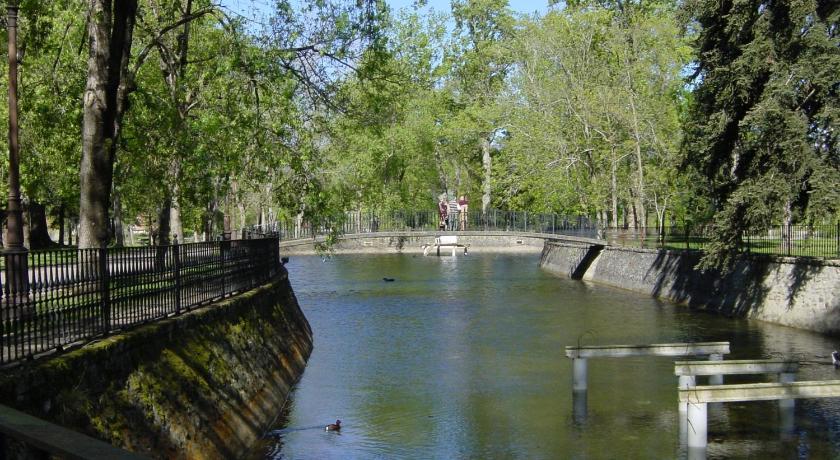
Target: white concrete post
{"type": "Point", "coordinates": [686, 381]}
{"type": "Point", "coordinates": [453, 251]}
{"type": "Point", "coordinates": [697, 418]}
{"type": "Point", "coordinates": [716, 379]}
{"type": "Point", "coordinates": [579, 374]}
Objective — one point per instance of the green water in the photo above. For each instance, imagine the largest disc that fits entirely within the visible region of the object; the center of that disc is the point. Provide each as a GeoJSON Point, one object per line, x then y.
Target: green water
{"type": "Point", "coordinates": [464, 358]}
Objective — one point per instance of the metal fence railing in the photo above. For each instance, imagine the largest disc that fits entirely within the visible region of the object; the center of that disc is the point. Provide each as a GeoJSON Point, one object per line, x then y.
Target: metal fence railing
{"type": "Point", "coordinates": [819, 241]}
{"type": "Point", "coordinates": [74, 295]}
{"type": "Point", "coordinates": [816, 241]}
{"type": "Point", "coordinates": [407, 221]}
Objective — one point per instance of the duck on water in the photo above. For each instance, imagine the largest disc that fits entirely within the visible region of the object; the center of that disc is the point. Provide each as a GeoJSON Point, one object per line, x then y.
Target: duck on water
{"type": "Point", "coordinates": [333, 426]}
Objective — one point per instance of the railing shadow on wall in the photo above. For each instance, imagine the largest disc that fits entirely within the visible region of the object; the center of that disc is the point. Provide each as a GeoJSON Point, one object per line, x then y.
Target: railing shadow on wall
{"type": "Point", "coordinates": [71, 296]}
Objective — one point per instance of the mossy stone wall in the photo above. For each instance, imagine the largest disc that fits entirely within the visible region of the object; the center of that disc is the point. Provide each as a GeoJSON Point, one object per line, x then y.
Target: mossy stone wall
{"type": "Point", "coordinates": [206, 384]}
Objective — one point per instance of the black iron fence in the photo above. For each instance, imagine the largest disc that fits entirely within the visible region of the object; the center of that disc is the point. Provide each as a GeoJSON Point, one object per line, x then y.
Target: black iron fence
{"type": "Point", "coordinates": [54, 298]}
{"type": "Point", "coordinates": [817, 241]}
{"type": "Point", "coordinates": [820, 241]}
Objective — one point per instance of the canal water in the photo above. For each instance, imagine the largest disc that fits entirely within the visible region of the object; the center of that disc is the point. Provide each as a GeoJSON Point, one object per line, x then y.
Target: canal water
{"type": "Point", "coordinates": [464, 358]}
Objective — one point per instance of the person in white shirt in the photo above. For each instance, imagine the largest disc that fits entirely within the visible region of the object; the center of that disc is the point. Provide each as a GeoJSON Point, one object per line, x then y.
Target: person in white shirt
{"type": "Point", "coordinates": [453, 214]}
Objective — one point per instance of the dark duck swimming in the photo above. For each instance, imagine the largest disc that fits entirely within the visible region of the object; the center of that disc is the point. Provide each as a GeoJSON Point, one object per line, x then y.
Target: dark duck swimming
{"type": "Point", "coordinates": [333, 426]}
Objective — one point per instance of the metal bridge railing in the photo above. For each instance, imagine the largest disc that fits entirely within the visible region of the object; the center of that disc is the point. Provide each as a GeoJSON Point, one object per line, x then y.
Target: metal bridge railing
{"type": "Point", "coordinates": [408, 221]}
{"type": "Point", "coordinates": [816, 241]}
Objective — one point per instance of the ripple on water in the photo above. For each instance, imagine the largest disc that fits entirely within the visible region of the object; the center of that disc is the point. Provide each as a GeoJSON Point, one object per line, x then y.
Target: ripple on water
{"type": "Point", "coordinates": [463, 358]}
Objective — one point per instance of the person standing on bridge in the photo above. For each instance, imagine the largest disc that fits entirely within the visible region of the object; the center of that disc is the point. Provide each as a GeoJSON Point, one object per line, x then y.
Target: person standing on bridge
{"type": "Point", "coordinates": [442, 212]}
{"type": "Point", "coordinates": [463, 204]}
{"type": "Point", "coordinates": [453, 214]}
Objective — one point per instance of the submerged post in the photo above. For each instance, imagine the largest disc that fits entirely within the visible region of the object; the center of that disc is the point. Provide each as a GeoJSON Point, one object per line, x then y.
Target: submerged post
{"type": "Point", "coordinates": [579, 390]}
{"type": "Point", "coordinates": [786, 407]}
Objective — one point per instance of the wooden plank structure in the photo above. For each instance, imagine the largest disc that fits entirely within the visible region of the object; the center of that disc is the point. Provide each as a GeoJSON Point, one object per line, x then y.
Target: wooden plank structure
{"type": "Point", "coordinates": [687, 371]}
{"type": "Point", "coordinates": [697, 399]}
{"type": "Point", "coordinates": [735, 367]}
{"type": "Point", "coordinates": [579, 355]}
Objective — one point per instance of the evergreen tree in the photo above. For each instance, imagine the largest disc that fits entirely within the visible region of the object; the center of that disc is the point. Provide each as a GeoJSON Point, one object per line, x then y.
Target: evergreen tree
{"type": "Point", "coordinates": [762, 129]}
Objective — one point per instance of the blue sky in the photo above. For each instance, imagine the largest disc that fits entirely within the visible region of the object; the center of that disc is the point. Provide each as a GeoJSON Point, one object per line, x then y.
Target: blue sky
{"type": "Point", "coordinates": [523, 6]}
{"type": "Point", "coordinates": [261, 7]}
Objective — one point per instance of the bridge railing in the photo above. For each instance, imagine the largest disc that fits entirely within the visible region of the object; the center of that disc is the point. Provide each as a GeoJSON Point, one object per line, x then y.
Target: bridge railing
{"type": "Point", "coordinates": [71, 296]}
{"type": "Point", "coordinates": [816, 241]}
{"type": "Point", "coordinates": [407, 221]}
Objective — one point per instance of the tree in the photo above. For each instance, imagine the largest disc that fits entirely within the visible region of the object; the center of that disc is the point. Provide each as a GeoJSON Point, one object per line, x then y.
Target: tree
{"type": "Point", "coordinates": [762, 126]}
{"type": "Point", "coordinates": [110, 33]}
{"type": "Point", "coordinates": [481, 27]}
{"type": "Point", "coordinates": [594, 113]}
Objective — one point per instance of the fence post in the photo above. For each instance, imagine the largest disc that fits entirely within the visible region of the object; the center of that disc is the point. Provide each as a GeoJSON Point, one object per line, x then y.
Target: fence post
{"type": "Point", "coordinates": [105, 288]}
{"type": "Point", "coordinates": [687, 238]}
{"type": "Point", "coordinates": [275, 248]}
{"type": "Point", "coordinates": [837, 239]}
{"type": "Point", "coordinates": [222, 251]}
{"type": "Point", "coordinates": [176, 262]}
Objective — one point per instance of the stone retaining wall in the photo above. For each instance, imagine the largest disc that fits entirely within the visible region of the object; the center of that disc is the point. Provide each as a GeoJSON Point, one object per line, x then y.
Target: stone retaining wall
{"type": "Point", "coordinates": [206, 384]}
{"type": "Point", "coordinates": [802, 293]}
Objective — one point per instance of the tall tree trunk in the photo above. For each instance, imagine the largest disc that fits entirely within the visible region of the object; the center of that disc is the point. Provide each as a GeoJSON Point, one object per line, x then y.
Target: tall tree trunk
{"type": "Point", "coordinates": [640, 172]}
{"type": "Point", "coordinates": [240, 206]}
{"type": "Point", "coordinates": [174, 69]}
{"type": "Point", "coordinates": [176, 225]}
{"type": "Point", "coordinates": [210, 218]}
{"type": "Point", "coordinates": [119, 230]}
{"type": "Point", "coordinates": [39, 236]}
{"type": "Point", "coordinates": [61, 211]}
{"type": "Point", "coordinates": [632, 217]}
{"type": "Point", "coordinates": [486, 163]}
{"type": "Point", "coordinates": [787, 219]}
{"type": "Point", "coordinates": [614, 189]}
{"type": "Point", "coordinates": [163, 221]}
{"type": "Point", "coordinates": [110, 31]}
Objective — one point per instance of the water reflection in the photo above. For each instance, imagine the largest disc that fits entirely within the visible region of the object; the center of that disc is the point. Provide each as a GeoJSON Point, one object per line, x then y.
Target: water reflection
{"type": "Point", "coordinates": [464, 358]}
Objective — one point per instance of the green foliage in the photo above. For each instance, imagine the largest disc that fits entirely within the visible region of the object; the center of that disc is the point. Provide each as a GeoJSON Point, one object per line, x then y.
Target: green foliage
{"type": "Point", "coordinates": [762, 126]}
{"type": "Point", "coordinates": [342, 105]}
{"type": "Point", "coordinates": [590, 85]}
